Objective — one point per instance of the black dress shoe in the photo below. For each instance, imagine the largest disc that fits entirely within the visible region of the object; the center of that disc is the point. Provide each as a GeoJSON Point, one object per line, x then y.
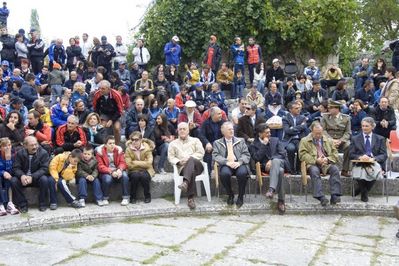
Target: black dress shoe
{"type": "Point", "coordinates": [42, 208]}
{"type": "Point", "coordinates": [147, 200]}
{"type": "Point", "coordinates": [356, 193]}
{"type": "Point", "coordinates": [23, 209]}
{"type": "Point", "coordinates": [335, 199]}
{"type": "Point", "coordinates": [397, 234]}
{"type": "Point", "coordinates": [364, 197]}
{"type": "Point", "coordinates": [323, 201]}
{"type": "Point", "coordinates": [230, 200]}
{"type": "Point", "coordinates": [239, 202]}
{"type": "Point", "coordinates": [133, 201]}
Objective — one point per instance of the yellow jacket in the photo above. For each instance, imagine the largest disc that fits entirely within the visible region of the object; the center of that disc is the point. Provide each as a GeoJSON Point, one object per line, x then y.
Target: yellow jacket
{"type": "Point", "coordinates": [60, 167]}
{"type": "Point", "coordinates": [45, 118]}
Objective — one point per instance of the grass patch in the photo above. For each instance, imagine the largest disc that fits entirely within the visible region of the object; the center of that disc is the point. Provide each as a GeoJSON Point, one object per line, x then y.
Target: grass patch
{"type": "Point", "coordinates": [100, 244]}
{"type": "Point", "coordinates": [151, 260]}
{"type": "Point", "coordinates": [174, 248]}
{"type": "Point", "coordinates": [198, 232]}
{"type": "Point", "coordinates": [77, 255]}
{"type": "Point", "coordinates": [20, 239]}
{"type": "Point", "coordinates": [257, 261]}
{"type": "Point", "coordinates": [111, 257]}
{"type": "Point", "coordinates": [169, 197]}
{"type": "Point", "coordinates": [133, 220]}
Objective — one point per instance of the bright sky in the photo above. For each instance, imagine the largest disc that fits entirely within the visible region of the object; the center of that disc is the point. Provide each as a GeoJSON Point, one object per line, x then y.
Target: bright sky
{"type": "Point", "coordinates": [65, 19]}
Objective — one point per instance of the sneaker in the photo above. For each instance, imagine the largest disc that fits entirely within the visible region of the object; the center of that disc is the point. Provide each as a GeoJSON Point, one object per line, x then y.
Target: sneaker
{"type": "Point", "coordinates": [105, 202]}
{"type": "Point", "coordinates": [42, 208]}
{"type": "Point", "coordinates": [100, 203]}
{"type": "Point", "coordinates": [11, 209]}
{"type": "Point", "coordinates": [75, 204]}
{"type": "Point", "coordinates": [125, 202]}
{"type": "Point", "coordinates": [162, 171]}
{"type": "Point", "coordinates": [2, 210]}
{"type": "Point", "coordinates": [82, 203]}
{"type": "Point", "coordinates": [53, 206]}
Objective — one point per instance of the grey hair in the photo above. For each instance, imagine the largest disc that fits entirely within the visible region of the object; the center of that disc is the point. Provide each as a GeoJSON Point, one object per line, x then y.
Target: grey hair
{"type": "Point", "coordinates": [369, 120]}
{"type": "Point", "coordinates": [104, 83]}
{"type": "Point", "coordinates": [227, 123]}
{"type": "Point", "coordinates": [214, 110]}
{"type": "Point", "coordinates": [74, 117]}
{"type": "Point", "coordinates": [37, 102]}
{"type": "Point", "coordinates": [182, 124]}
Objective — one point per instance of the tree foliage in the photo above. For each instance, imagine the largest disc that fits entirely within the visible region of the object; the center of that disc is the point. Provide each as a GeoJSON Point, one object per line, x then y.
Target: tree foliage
{"type": "Point", "coordinates": [292, 29]}
{"type": "Point", "coordinates": [34, 20]}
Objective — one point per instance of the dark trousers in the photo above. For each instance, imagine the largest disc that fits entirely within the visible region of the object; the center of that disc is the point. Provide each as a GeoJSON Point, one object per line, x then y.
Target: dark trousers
{"type": "Point", "coordinates": [65, 191]}
{"type": "Point", "coordinates": [37, 64]}
{"type": "Point", "coordinates": [4, 187]}
{"type": "Point", "coordinates": [292, 148]}
{"type": "Point", "coordinates": [107, 179]}
{"type": "Point", "coordinates": [192, 168]}
{"type": "Point", "coordinates": [82, 183]}
{"type": "Point", "coordinates": [46, 185]}
{"type": "Point", "coordinates": [335, 180]}
{"type": "Point", "coordinates": [142, 177]}
{"type": "Point", "coordinates": [365, 186]}
{"type": "Point", "coordinates": [241, 174]}
{"type": "Point", "coordinates": [251, 68]}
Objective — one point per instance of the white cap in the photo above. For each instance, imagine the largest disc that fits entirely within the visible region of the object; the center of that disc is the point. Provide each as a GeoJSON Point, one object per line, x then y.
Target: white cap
{"type": "Point", "coordinates": [175, 38]}
{"type": "Point", "coordinates": [275, 60]}
{"type": "Point", "coordinates": [190, 103]}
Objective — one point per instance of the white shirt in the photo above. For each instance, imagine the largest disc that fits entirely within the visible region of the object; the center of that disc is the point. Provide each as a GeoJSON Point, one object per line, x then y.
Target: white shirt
{"type": "Point", "coordinates": [86, 47]}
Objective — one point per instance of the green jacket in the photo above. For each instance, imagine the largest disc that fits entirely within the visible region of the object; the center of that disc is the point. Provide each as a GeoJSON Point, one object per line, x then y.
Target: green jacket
{"type": "Point", "coordinates": [87, 168]}
{"type": "Point", "coordinates": [308, 151]}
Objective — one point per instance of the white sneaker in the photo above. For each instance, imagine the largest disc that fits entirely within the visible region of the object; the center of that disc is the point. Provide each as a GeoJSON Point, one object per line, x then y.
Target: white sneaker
{"type": "Point", "coordinates": [82, 203]}
{"type": "Point", "coordinates": [105, 202]}
{"type": "Point", "coordinates": [100, 203]}
{"type": "Point", "coordinates": [11, 208]}
{"type": "Point", "coordinates": [125, 202]}
{"type": "Point", "coordinates": [2, 210]}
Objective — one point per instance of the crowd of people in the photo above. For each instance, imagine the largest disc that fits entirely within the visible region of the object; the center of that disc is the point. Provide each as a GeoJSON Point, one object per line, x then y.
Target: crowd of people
{"type": "Point", "coordinates": [105, 121]}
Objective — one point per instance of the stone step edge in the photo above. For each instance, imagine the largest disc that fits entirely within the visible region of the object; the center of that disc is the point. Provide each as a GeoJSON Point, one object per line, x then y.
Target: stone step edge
{"type": "Point", "coordinates": [294, 208]}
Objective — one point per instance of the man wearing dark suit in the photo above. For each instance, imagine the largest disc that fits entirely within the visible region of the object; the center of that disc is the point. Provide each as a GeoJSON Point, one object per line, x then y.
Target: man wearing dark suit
{"type": "Point", "coordinates": [314, 97]}
{"type": "Point", "coordinates": [295, 128]}
{"type": "Point", "coordinates": [364, 147]}
{"type": "Point", "coordinates": [248, 123]}
{"type": "Point", "coordinates": [270, 152]}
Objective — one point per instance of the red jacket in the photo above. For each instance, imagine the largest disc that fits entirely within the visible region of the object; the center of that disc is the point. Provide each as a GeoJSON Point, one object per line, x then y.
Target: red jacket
{"type": "Point", "coordinates": [179, 100]}
{"type": "Point", "coordinates": [67, 140]}
{"type": "Point", "coordinates": [113, 94]}
{"type": "Point", "coordinates": [103, 161]}
{"type": "Point", "coordinates": [43, 134]}
{"type": "Point", "coordinates": [183, 118]}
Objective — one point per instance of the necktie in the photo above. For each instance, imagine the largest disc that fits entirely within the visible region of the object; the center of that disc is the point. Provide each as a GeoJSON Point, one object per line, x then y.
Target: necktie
{"type": "Point", "coordinates": [320, 152]}
{"type": "Point", "coordinates": [141, 54]}
{"type": "Point", "coordinates": [368, 146]}
{"type": "Point", "coordinates": [230, 152]}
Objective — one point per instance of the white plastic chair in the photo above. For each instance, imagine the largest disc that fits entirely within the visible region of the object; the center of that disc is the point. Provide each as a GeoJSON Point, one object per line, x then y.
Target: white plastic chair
{"type": "Point", "coordinates": [204, 177]}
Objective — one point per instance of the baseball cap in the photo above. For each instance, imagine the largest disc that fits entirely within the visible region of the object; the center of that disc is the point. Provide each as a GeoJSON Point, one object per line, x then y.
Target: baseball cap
{"type": "Point", "coordinates": [275, 60]}
{"type": "Point", "coordinates": [175, 38]}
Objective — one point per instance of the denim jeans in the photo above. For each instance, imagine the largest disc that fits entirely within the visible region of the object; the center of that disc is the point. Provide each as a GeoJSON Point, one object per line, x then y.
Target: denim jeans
{"type": "Point", "coordinates": [237, 91]}
{"type": "Point", "coordinates": [82, 183]}
{"type": "Point", "coordinates": [56, 91]}
{"type": "Point", "coordinates": [106, 181]}
{"type": "Point", "coordinates": [261, 87]}
{"type": "Point", "coordinates": [174, 89]}
{"type": "Point", "coordinates": [63, 187]}
{"type": "Point", "coordinates": [163, 152]}
{"type": "Point", "coordinates": [4, 187]}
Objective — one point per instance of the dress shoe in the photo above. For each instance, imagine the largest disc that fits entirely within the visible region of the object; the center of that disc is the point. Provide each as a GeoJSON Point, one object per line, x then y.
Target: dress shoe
{"type": "Point", "coordinates": [270, 193]}
{"type": "Point", "coordinates": [239, 202]}
{"type": "Point", "coordinates": [397, 234]}
{"type": "Point", "coordinates": [281, 207]}
{"type": "Point", "coordinates": [323, 201]}
{"type": "Point", "coordinates": [230, 200]}
{"type": "Point", "coordinates": [335, 199]}
{"type": "Point", "coordinates": [356, 192]}
{"type": "Point", "coordinates": [23, 209]}
{"type": "Point", "coordinates": [147, 200]}
{"type": "Point", "coordinates": [191, 203]}
{"type": "Point", "coordinates": [183, 186]}
{"type": "Point", "coordinates": [345, 173]}
{"type": "Point", "coordinates": [42, 208]}
{"type": "Point", "coordinates": [133, 201]}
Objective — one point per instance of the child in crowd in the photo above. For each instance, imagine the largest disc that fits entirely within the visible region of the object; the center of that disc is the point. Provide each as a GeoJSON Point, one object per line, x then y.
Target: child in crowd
{"type": "Point", "coordinates": [239, 85]}
{"type": "Point", "coordinates": [192, 75]}
{"type": "Point", "coordinates": [55, 80]}
{"type": "Point", "coordinates": [88, 172]}
{"type": "Point", "coordinates": [6, 205]}
{"type": "Point", "coordinates": [63, 169]}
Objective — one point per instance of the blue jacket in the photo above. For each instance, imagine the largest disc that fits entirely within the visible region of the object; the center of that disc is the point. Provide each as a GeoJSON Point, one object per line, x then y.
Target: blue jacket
{"type": "Point", "coordinates": [238, 56]}
{"type": "Point", "coordinates": [171, 115]}
{"type": "Point", "coordinates": [29, 94]}
{"type": "Point", "coordinates": [58, 117]}
{"type": "Point", "coordinates": [76, 96]}
{"type": "Point", "coordinates": [4, 12]}
{"type": "Point", "coordinates": [219, 97]}
{"type": "Point", "coordinates": [61, 54]}
{"type": "Point", "coordinates": [5, 166]}
{"type": "Point", "coordinates": [313, 73]}
{"type": "Point", "coordinates": [172, 57]}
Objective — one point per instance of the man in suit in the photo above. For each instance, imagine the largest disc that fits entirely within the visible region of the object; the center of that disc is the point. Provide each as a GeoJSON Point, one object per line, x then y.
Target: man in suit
{"type": "Point", "coordinates": [270, 152]}
{"type": "Point", "coordinates": [315, 97]}
{"type": "Point", "coordinates": [321, 156]}
{"type": "Point", "coordinates": [337, 126]}
{"type": "Point", "coordinates": [247, 124]}
{"type": "Point", "coordinates": [233, 157]}
{"type": "Point", "coordinates": [367, 146]}
{"type": "Point", "coordinates": [295, 128]}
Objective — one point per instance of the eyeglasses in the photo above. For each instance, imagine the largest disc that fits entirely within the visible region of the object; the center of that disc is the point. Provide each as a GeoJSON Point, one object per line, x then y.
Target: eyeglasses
{"type": "Point", "coordinates": [135, 140]}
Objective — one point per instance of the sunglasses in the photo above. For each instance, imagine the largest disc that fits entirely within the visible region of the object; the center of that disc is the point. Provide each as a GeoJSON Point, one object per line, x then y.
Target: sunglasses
{"type": "Point", "coordinates": [135, 140]}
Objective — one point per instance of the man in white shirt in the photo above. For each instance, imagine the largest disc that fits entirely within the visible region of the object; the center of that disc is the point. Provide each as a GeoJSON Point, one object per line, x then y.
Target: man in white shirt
{"type": "Point", "coordinates": [86, 45]}
{"type": "Point", "coordinates": [121, 52]}
{"type": "Point", "coordinates": [141, 54]}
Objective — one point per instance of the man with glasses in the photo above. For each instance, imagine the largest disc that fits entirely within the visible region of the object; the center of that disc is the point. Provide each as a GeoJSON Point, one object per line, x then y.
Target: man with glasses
{"type": "Point", "coordinates": [186, 153]}
{"type": "Point", "coordinates": [247, 124]}
{"type": "Point", "coordinates": [270, 153]}
{"type": "Point", "coordinates": [108, 104]}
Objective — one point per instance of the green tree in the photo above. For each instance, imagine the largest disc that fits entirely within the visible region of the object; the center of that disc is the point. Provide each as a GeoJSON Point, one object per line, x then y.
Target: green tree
{"type": "Point", "coordinates": [34, 20]}
{"type": "Point", "coordinates": [292, 29]}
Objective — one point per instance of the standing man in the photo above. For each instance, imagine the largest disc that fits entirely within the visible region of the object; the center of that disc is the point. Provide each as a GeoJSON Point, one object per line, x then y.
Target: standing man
{"type": "Point", "coordinates": [36, 51]}
{"type": "Point", "coordinates": [213, 55]}
{"type": "Point", "coordinates": [4, 12]}
{"type": "Point", "coordinates": [31, 169]}
{"type": "Point", "coordinates": [141, 55]}
{"type": "Point", "coordinates": [270, 153]}
{"type": "Point", "coordinates": [233, 157]}
{"type": "Point", "coordinates": [361, 73]}
{"type": "Point", "coordinates": [337, 127]}
{"type": "Point", "coordinates": [8, 47]}
{"type": "Point", "coordinates": [108, 103]}
{"type": "Point", "coordinates": [321, 157]}
{"type": "Point", "coordinates": [56, 54]}
{"type": "Point", "coordinates": [254, 57]}
{"type": "Point", "coordinates": [238, 52]}
{"type": "Point", "coordinates": [86, 46]}
{"type": "Point", "coordinates": [173, 52]}
{"type": "Point", "coordinates": [120, 52]}
{"type": "Point", "coordinates": [186, 153]}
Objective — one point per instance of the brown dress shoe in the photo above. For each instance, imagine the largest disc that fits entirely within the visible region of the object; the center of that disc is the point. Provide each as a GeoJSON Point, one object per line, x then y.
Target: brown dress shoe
{"type": "Point", "coordinates": [183, 186]}
{"type": "Point", "coordinates": [281, 207]}
{"type": "Point", "coordinates": [345, 173]}
{"type": "Point", "coordinates": [191, 203]}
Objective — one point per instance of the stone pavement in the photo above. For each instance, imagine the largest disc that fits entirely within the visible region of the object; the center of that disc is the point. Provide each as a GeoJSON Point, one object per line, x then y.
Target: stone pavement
{"type": "Point", "coordinates": [261, 239]}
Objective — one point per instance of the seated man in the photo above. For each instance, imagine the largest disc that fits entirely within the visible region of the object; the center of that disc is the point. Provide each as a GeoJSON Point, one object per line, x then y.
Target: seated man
{"type": "Point", "coordinates": [186, 153]}
{"type": "Point", "coordinates": [191, 116]}
{"type": "Point", "coordinates": [31, 169]}
{"type": "Point", "coordinates": [132, 121]}
{"type": "Point", "coordinates": [270, 152]}
{"type": "Point", "coordinates": [200, 97]}
{"type": "Point", "coordinates": [172, 112]}
{"type": "Point", "coordinates": [247, 124]}
{"type": "Point", "coordinates": [207, 113]}
{"type": "Point", "coordinates": [233, 157]}
{"type": "Point", "coordinates": [368, 146]}
{"type": "Point", "coordinates": [60, 112]}
{"type": "Point", "coordinates": [44, 112]}
{"type": "Point", "coordinates": [332, 75]}
{"type": "Point", "coordinates": [295, 128]}
{"type": "Point", "coordinates": [314, 97]}
{"type": "Point", "coordinates": [312, 70]}
{"type": "Point", "coordinates": [239, 111]}
{"type": "Point", "coordinates": [361, 73]}
{"type": "Point", "coordinates": [70, 136]}
{"type": "Point", "coordinates": [41, 131]}
{"type": "Point", "coordinates": [337, 127]}
{"type": "Point", "coordinates": [384, 117]}
{"type": "Point", "coordinates": [321, 157]}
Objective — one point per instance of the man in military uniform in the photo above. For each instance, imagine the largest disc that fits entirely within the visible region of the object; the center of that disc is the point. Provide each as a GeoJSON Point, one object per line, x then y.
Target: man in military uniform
{"type": "Point", "coordinates": [338, 127]}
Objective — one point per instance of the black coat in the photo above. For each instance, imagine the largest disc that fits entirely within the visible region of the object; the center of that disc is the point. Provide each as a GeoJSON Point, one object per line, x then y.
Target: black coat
{"type": "Point", "coordinates": [290, 131]}
{"type": "Point", "coordinates": [388, 115]}
{"type": "Point", "coordinates": [39, 163]}
{"type": "Point", "coordinates": [273, 150]}
{"type": "Point", "coordinates": [311, 99]}
{"type": "Point", "coordinates": [73, 52]}
{"type": "Point", "coordinates": [8, 52]}
{"type": "Point", "coordinates": [16, 136]}
{"type": "Point", "coordinates": [378, 148]}
{"type": "Point", "coordinates": [207, 133]}
{"type": "Point", "coordinates": [245, 129]}
{"type": "Point", "coordinates": [278, 74]}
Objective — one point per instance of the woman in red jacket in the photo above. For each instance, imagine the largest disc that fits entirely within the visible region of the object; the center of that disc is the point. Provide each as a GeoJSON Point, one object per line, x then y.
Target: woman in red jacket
{"type": "Point", "coordinates": [112, 167]}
